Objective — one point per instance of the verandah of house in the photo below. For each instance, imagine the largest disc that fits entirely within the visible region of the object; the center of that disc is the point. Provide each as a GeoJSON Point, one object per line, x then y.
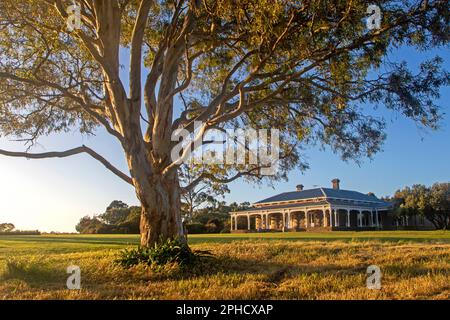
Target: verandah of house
{"type": "Point", "coordinates": [318, 208]}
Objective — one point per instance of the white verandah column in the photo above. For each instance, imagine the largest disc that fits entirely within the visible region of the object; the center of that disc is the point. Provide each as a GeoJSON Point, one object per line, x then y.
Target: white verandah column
{"type": "Point", "coordinates": [289, 220]}
{"type": "Point", "coordinates": [261, 224]}
{"type": "Point", "coordinates": [307, 219]}
{"type": "Point", "coordinates": [330, 216]}
{"type": "Point", "coordinates": [359, 219]}
{"type": "Point", "coordinates": [376, 217]}
{"type": "Point", "coordinates": [324, 218]}
{"type": "Point", "coordinates": [348, 218]}
{"type": "Point", "coordinates": [336, 222]}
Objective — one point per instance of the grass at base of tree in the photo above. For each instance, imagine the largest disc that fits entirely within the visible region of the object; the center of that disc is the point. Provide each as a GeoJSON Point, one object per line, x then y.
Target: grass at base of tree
{"type": "Point", "coordinates": [414, 265]}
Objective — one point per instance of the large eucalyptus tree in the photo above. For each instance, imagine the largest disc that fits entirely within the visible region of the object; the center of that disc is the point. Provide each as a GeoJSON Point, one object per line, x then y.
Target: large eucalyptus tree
{"type": "Point", "coordinates": [309, 68]}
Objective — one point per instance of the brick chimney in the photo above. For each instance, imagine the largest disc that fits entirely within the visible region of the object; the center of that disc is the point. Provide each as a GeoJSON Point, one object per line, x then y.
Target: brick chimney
{"type": "Point", "coordinates": [335, 183]}
{"type": "Point", "coordinates": [299, 187]}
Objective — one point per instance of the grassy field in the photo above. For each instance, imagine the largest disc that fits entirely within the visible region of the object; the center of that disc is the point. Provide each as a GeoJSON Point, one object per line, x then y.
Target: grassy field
{"type": "Point", "coordinates": [414, 265]}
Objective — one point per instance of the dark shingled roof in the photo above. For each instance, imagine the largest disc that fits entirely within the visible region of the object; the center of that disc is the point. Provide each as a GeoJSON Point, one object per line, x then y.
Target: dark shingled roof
{"type": "Point", "coordinates": [323, 192]}
{"type": "Point", "coordinates": [348, 194]}
{"type": "Point", "coordinates": [295, 195]}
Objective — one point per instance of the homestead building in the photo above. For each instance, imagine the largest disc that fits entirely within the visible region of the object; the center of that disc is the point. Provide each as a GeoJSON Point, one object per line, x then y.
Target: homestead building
{"type": "Point", "coordinates": [315, 210]}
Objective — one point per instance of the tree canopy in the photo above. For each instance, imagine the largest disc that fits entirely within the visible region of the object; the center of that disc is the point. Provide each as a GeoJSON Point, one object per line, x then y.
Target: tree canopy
{"type": "Point", "coordinates": [203, 192]}
{"type": "Point", "coordinates": [6, 227]}
{"type": "Point", "coordinates": [117, 218]}
{"type": "Point", "coordinates": [433, 203]}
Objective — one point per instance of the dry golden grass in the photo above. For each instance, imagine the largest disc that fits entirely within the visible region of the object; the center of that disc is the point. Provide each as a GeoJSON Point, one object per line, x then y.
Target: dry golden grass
{"type": "Point", "coordinates": [254, 269]}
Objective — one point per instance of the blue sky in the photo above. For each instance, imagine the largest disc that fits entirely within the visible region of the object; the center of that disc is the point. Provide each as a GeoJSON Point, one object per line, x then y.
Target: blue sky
{"type": "Point", "coordinates": [53, 194]}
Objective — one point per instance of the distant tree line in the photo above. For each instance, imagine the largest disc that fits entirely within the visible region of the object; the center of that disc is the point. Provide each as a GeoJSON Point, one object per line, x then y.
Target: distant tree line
{"type": "Point", "coordinates": [432, 203]}
{"type": "Point", "coordinates": [214, 217]}
{"type": "Point", "coordinates": [119, 218]}
{"type": "Point", "coordinates": [9, 229]}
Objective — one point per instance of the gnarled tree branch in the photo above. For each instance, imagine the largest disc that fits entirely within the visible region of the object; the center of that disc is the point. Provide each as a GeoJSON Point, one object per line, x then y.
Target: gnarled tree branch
{"type": "Point", "coordinates": [68, 153]}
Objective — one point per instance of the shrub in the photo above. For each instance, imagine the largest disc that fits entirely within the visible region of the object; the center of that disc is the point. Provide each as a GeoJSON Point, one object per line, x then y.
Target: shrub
{"type": "Point", "coordinates": [30, 270]}
{"type": "Point", "coordinates": [211, 228]}
{"type": "Point", "coordinates": [195, 228]}
{"type": "Point", "coordinates": [226, 227]}
{"type": "Point", "coordinates": [169, 252]}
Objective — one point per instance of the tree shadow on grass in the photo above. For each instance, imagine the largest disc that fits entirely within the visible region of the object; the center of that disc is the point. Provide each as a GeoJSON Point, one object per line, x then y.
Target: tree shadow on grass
{"type": "Point", "coordinates": [414, 270]}
{"type": "Point", "coordinates": [271, 271]}
{"type": "Point", "coordinates": [200, 240]}
{"type": "Point", "coordinates": [34, 274]}
{"type": "Point", "coordinates": [276, 272]}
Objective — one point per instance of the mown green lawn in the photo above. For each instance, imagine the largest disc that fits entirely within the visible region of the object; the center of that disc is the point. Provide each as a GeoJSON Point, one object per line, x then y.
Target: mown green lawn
{"type": "Point", "coordinates": [393, 236]}
{"type": "Point", "coordinates": [95, 241]}
{"type": "Point", "coordinates": [301, 265]}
